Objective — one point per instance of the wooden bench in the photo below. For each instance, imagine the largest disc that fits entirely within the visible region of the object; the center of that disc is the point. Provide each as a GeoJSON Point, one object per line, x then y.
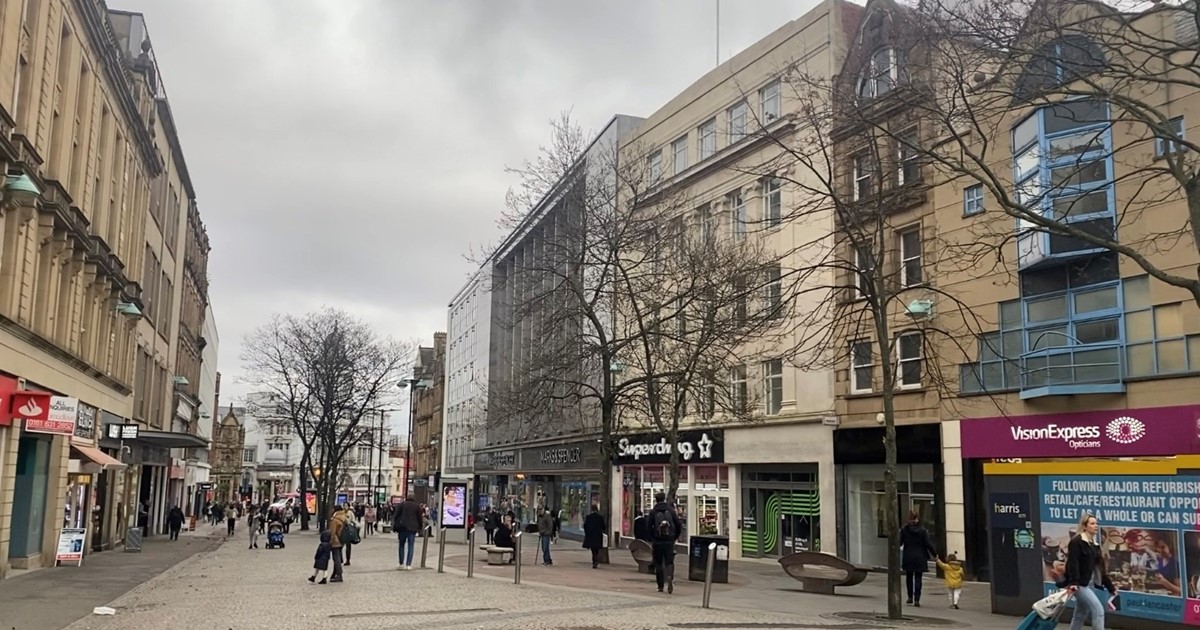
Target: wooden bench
{"type": "Point", "coordinates": [496, 555]}
{"type": "Point", "coordinates": [821, 572]}
{"type": "Point", "coordinates": [643, 555]}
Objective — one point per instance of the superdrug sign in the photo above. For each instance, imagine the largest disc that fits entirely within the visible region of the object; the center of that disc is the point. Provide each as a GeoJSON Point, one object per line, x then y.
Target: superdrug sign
{"type": "Point", "coordinates": [695, 447]}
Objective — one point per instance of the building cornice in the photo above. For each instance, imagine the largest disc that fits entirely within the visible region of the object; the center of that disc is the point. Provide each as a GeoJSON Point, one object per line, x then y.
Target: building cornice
{"type": "Point", "coordinates": [95, 20]}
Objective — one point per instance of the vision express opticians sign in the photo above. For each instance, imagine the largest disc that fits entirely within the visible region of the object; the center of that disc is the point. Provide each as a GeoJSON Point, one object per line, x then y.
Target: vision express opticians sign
{"type": "Point", "coordinates": [1118, 433]}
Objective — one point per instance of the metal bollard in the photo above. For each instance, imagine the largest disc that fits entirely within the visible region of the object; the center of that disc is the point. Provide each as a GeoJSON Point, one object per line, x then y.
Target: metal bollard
{"type": "Point", "coordinates": [471, 553]}
{"type": "Point", "coordinates": [442, 551]}
{"type": "Point", "coordinates": [425, 544]}
{"type": "Point", "coordinates": [517, 558]}
{"type": "Point", "coordinates": [708, 569]}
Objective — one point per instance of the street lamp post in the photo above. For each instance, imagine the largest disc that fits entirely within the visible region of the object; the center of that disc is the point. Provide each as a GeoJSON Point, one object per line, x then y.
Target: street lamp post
{"type": "Point", "coordinates": [413, 385]}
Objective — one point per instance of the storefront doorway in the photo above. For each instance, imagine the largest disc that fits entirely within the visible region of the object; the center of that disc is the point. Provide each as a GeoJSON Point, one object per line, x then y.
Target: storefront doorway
{"type": "Point", "coordinates": [781, 510]}
{"type": "Point", "coordinates": [29, 497]}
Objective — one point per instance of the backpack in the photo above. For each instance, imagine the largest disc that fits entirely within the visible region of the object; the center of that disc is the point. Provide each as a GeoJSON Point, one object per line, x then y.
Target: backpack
{"type": "Point", "coordinates": [664, 525]}
{"type": "Point", "coordinates": [349, 534]}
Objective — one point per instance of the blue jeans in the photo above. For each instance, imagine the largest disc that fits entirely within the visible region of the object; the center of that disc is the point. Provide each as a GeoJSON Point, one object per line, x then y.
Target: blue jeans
{"type": "Point", "coordinates": [407, 539]}
{"type": "Point", "coordinates": [545, 540]}
{"type": "Point", "coordinates": [1087, 604]}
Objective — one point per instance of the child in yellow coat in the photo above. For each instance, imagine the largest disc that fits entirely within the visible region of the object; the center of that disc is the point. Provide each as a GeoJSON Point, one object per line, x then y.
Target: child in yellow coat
{"type": "Point", "coordinates": [952, 570]}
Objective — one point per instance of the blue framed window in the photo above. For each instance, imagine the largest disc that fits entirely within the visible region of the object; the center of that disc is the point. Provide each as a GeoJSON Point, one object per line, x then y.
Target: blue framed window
{"type": "Point", "coordinates": [1168, 145]}
{"type": "Point", "coordinates": [972, 200]}
{"type": "Point", "coordinates": [1062, 166]}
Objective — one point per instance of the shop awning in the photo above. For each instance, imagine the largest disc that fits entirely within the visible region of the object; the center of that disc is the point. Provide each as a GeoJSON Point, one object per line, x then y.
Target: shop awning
{"type": "Point", "coordinates": [171, 439]}
{"type": "Point", "coordinates": [97, 456]}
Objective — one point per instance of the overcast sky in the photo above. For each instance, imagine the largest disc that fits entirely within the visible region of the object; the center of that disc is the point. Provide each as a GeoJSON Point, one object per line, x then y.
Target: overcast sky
{"type": "Point", "coordinates": [351, 153]}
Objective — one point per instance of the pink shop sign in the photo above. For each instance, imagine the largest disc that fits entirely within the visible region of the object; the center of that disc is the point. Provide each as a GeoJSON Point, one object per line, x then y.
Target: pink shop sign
{"type": "Point", "coordinates": [1155, 431]}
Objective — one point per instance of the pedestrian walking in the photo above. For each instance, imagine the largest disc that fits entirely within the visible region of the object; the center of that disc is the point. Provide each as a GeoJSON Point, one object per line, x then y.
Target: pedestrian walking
{"type": "Point", "coordinates": [253, 523]}
{"type": "Point", "coordinates": [349, 547]}
{"type": "Point", "coordinates": [545, 527]}
{"type": "Point", "coordinates": [1087, 570]}
{"type": "Point", "coordinates": [230, 521]}
{"type": "Point", "coordinates": [952, 572]}
{"type": "Point", "coordinates": [593, 534]}
{"type": "Point", "coordinates": [218, 514]}
{"type": "Point", "coordinates": [490, 521]}
{"type": "Point", "coordinates": [406, 522]}
{"type": "Point", "coordinates": [336, 524]}
{"type": "Point", "coordinates": [321, 559]}
{"type": "Point", "coordinates": [369, 517]}
{"type": "Point", "coordinates": [175, 521]}
{"type": "Point", "coordinates": [916, 550]}
{"type": "Point", "coordinates": [665, 530]}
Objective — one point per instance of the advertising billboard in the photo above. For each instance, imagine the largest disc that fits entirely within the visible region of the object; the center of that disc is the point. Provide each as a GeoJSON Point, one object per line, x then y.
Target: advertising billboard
{"type": "Point", "coordinates": [454, 505]}
{"type": "Point", "coordinates": [1149, 528]}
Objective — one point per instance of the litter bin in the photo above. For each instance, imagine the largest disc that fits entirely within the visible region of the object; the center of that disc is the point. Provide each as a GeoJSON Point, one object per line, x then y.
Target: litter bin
{"type": "Point", "coordinates": [698, 558]}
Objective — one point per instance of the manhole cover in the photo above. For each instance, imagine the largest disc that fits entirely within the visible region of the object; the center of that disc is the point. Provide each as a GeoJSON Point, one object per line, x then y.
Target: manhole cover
{"type": "Point", "coordinates": [880, 620]}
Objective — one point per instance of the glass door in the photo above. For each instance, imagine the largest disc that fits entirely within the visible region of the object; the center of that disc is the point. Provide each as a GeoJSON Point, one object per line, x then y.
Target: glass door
{"type": "Point", "coordinates": [751, 537]}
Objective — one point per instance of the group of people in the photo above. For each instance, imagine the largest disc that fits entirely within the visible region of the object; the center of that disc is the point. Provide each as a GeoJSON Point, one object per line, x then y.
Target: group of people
{"type": "Point", "coordinates": [337, 540]}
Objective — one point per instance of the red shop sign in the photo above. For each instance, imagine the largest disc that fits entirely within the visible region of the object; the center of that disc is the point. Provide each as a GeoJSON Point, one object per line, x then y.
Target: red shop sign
{"type": "Point", "coordinates": [8, 386]}
{"type": "Point", "coordinates": [30, 405]}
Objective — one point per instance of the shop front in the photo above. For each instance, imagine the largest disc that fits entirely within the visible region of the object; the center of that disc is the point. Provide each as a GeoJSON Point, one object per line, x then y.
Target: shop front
{"type": "Point", "coordinates": [785, 486]}
{"type": "Point", "coordinates": [1136, 470]}
{"type": "Point", "coordinates": [859, 456]}
{"type": "Point", "coordinates": [561, 477]}
{"type": "Point", "coordinates": [703, 496]}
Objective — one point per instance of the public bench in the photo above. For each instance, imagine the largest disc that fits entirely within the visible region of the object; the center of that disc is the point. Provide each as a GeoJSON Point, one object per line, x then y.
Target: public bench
{"type": "Point", "coordinates": [821, 572]}
{"type": "Point", "coordinates": [643, 555]}
{"type": "Point", "coordinates": [497, 555]}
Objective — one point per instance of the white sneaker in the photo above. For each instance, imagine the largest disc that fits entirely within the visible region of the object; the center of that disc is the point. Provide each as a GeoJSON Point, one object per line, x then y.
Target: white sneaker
{"type": "Point", "coordinates": [408, 567]}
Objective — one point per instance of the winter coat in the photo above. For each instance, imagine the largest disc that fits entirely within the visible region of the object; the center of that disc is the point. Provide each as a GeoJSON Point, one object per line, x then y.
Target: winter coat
{"type": "Point", "coordinates": [545, 525]}
{"type": "Point", "coordinates": [324, 551]}
{"type": "Point", "coordinates": [952, 572]}
{"type": "Point", "coordinates": [593, 531]}
{"type": "Point", "coordinates": [336, 525]}
{"type": "Point", "coordinates": [407, 517]}
{"type": "Point", "coordinates": [490, 521]}
{"type": "Point", "coordinates": [916, 548]}
{"type": "Point", "coordinates": [175, 517]}
{"type": "Point", "coordinates": [1083, 558]}
{"type": "Point", "coordinates": [641, 528]}
{"type": "Point", "coordinates": [503, 536]}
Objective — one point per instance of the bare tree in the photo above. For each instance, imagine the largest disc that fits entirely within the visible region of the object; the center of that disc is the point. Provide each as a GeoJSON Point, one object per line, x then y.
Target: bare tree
{"type": "Point", "coordinates": [604, 315]}
{"type": "Point", "coordinates": [325, 372]}
{"type": "Point", "coordinates": [865, 267]}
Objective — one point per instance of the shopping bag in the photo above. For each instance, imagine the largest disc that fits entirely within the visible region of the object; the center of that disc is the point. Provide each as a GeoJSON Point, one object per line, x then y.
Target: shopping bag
{"type": "Point", "coordinates": [1048, 607]}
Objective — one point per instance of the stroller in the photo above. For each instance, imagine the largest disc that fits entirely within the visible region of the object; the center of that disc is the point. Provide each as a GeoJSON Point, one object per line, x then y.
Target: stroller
{"type": "Point", "coordinates": [275, 535]}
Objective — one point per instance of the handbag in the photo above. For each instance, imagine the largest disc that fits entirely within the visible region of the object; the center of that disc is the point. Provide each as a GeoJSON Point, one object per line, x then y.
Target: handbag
{"type": "Point", "coordinates": [1050, 606]}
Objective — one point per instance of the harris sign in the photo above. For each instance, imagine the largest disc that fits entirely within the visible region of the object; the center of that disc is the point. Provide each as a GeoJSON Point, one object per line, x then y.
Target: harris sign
{"type": "Point", "coordinates": [1154, 431]}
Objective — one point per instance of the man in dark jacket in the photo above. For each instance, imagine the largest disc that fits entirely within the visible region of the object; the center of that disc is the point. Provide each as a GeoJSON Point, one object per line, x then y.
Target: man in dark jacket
{"type": "Point", "coordinates": [641, 527]}
{"type": "Point", "coordinates": [175, 521]}
{"type": "Point", "coordinates": [593, 534]}
{"type": "Point", "coordinates": [406, 522]}
{"type": "Point", "coordinates": [665, 530]}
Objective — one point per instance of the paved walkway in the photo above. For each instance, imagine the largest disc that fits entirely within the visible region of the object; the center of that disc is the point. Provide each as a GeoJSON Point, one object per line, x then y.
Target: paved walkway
{"type": "Point", "coordinates": [53, 597]}
{"type": "Point", "coordinates": [232, 587]}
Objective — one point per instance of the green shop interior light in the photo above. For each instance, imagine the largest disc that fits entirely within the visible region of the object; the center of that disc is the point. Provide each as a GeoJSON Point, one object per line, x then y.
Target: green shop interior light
{"type": "Point", "coordinates": [20, 188]}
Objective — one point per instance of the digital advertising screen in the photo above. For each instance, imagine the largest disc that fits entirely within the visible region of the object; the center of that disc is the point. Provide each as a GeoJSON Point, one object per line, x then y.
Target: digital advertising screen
{"type": "Point", "coordinates": [454, 505]}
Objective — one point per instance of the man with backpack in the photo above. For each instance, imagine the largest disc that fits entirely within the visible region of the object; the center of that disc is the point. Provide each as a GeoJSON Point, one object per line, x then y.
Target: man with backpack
{"type": "Point", "coordinates": [665, 531]}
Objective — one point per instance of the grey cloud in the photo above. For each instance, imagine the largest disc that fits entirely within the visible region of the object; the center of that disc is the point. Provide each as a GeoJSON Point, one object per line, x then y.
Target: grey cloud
{"type": "Point", "coordinates": [352, 153]}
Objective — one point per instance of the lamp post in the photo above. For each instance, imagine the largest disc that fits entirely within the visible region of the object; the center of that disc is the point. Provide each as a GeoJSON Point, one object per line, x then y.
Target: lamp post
{"type": "Point", "coordinates": [413, 384]}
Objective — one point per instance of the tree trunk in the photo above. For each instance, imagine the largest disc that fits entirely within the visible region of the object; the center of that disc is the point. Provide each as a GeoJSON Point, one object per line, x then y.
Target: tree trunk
{"type": "Point", "coordinates": [673, 462]}
{"type": "Point", "coordinates": [304, 516]}
{"type": "Point", "coordinates": [891, 509]}
{"type": "Point", "coordinates": [606, 438]}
